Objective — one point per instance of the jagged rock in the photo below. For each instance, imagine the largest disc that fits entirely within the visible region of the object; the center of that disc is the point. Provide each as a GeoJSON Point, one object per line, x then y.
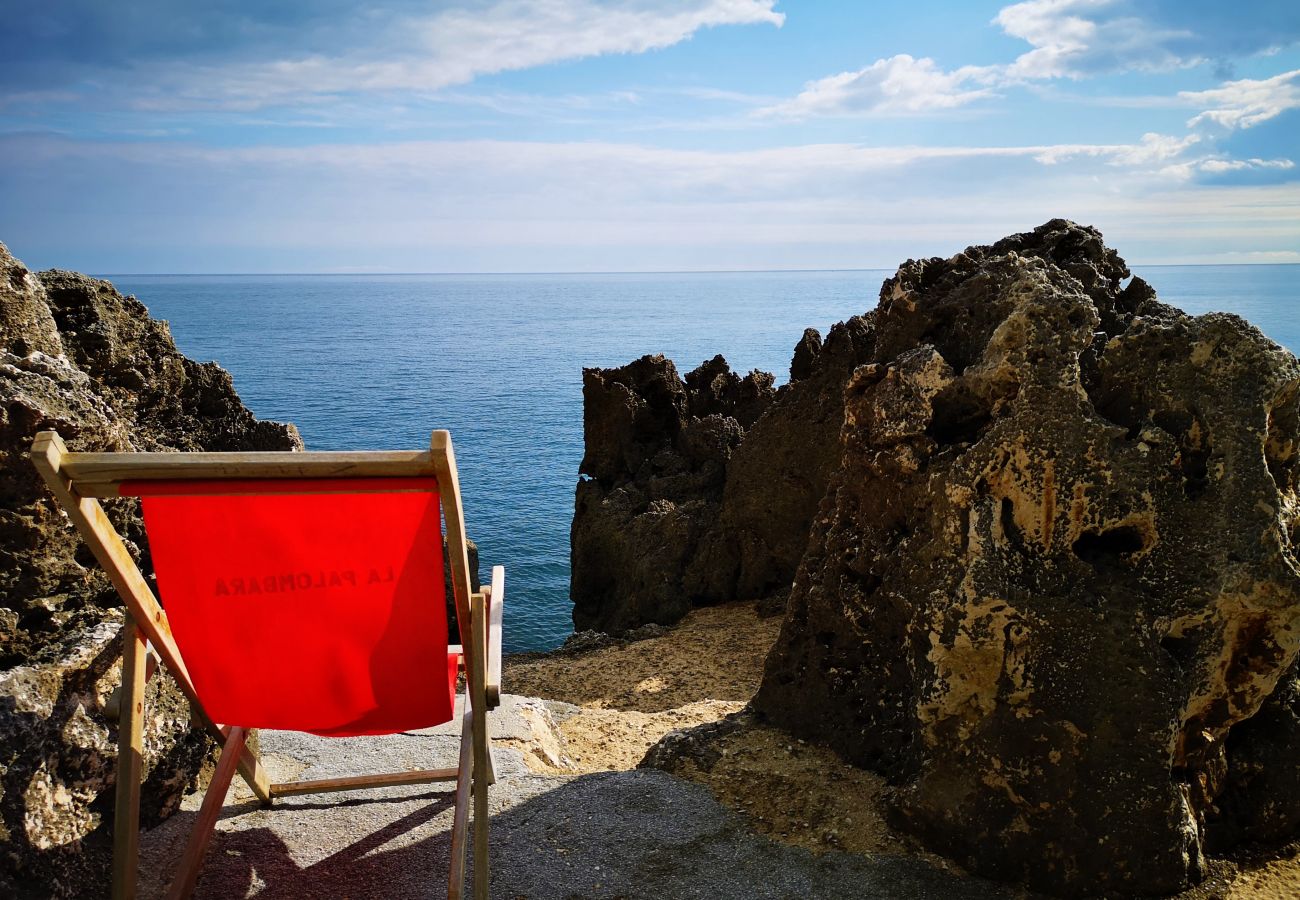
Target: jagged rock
{"type": "Point", "coordinates": [1055, 574]}
{"type": "Point", "coordinates": [778, 475]}
{"type": "Point", "coordinates": [703, 491]}
{"type": "Point", "coordinates": [644, 528]}
{"type": "Point", "coordinates": [77, 356]}
{"type": "Point", "coordinates": [804, 361]}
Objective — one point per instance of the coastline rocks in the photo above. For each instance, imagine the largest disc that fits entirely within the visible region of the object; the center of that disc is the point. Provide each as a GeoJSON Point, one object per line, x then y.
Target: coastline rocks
{"type": "Point", "coordinates": [77, 356]}
{"type": "Point", "coordinates": [778, 475]}
{"type": "Point", "coordinates": [1054, 579]}
{"type": "Point", "coordinates": [655, 466]}
{"type": "Point", "coordinates": [702, 490]}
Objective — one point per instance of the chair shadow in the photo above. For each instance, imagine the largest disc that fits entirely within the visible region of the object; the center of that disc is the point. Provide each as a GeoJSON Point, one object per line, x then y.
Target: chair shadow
{"type": "Point", "coordinates": [257, 861]}
{"type": "Point", "coordinates": [634, 834]}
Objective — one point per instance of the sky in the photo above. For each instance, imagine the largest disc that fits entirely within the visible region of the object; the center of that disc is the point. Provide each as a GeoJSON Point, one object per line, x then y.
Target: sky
{"type": "Point", "coordinates": [640, 135]}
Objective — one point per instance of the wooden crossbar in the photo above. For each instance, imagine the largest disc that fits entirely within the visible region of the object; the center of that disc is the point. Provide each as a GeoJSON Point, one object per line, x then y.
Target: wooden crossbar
{"type": "Point", "coordinates": [102, 474]}
{"type": "Point", "coordinates": [361, 782]}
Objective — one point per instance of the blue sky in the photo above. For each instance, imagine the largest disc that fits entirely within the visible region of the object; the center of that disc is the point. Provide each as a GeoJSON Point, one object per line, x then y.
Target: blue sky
{"type": "Point", "coordinates": [602, 135]}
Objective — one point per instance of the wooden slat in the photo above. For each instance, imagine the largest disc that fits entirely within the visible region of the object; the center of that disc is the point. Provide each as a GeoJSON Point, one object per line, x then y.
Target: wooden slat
{"type": "Point", "coordinates": [187, 875]}
{"type": "Point", "coordinates": [130, 762]}
{"type": "Point", "coordinates": [101, 474]}
{"type": "Point", "coordinates": [48, 453]}
{"type": "Point", "coordinates": [460, 819]}
{"type": "Point", "coordinates": [113, 705]}
{"type": "Point", "coordinates": [360, 782]}
{"type": "Point", "coordinates": [482, 760]}
{"type": "Point", "coordinates": [453, 514]}
{"type": "Point", "coordinates": [496, 596]}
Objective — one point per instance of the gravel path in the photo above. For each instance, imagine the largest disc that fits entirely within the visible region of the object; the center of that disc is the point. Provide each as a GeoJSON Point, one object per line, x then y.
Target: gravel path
{"type": "Point", "coordinates": [635, 834]}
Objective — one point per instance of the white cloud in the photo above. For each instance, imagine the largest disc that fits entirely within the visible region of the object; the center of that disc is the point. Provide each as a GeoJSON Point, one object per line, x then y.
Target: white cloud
{"type": "Point", "coordinates": [1244, 103]}
{"type": "Point", "coordinates": [899, 84]}
{"type": "Point", "coordinates": [455, 46]}
{"type": "Point", "coordinates": [1077, 38]}
{"type": "Point", "coordinates": [577, 169]}
{"type": "Point", "coordinates": [499, 205]}
{"type": "Point", "coordinates": [1241, 165]}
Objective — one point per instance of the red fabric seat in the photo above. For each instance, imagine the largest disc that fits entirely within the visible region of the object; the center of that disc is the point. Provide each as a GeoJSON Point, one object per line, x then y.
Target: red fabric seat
{"type": "Point", "coordinates": [312, 606]}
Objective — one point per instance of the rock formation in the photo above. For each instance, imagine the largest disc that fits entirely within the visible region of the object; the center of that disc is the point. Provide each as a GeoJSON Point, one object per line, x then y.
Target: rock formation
{"type": "Point", "coordinates": [703, 491]}
{"type": "Point", "coordinates": [656, 457]}
{"type": "Point", "coordinates": [77, 356]}
{"type": "Point", "coordinates": [1053, 589]}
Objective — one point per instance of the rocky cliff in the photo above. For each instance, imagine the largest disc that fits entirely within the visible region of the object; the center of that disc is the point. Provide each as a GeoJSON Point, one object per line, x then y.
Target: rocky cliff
{"type": "Point", "coordinates": [657, 446]}
{"type": "Point", "coordinates": [77, 356]}
{"type": "Point", "coordinates": [1053, 589]}
{"type": "Point", "coordinates": [1042, 534]}
{"type": "Point", "coordinates": [702, 490]}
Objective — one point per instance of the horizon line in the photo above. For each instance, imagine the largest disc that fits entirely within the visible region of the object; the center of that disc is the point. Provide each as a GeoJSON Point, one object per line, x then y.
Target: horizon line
{"type": "Point", "coordinates": [616, 271]}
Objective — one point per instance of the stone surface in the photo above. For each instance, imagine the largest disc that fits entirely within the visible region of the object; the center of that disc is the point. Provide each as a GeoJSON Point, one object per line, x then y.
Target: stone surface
{"type": "Point", "coordinates": [1054, 579]}
{"type": "Point", "coordinates": [778, 475]}
{"type": "Point", "coordinates": [656, 457]}
{"type": "Point", "coordinates": [78, 357]}
{"type": "Point", "coordinates": [628, 834]}
{"type": "Point", "coordinates": [702, 491]}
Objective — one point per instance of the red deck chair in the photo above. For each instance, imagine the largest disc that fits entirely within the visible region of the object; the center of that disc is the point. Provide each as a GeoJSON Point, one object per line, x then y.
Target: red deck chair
{"type": "Point", "coordinates": [303, 591]}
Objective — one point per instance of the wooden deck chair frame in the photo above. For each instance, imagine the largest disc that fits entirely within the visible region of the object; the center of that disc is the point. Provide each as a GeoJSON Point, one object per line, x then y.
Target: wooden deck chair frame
{"type": "Point", "coordinates": [77, 480]}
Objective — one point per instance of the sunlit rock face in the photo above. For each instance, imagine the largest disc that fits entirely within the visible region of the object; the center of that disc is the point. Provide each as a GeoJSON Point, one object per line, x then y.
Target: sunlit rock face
{"type": "Point", "coordinates": [1055, 574]}
{"type": "Point", "coordinates": [77, 356]}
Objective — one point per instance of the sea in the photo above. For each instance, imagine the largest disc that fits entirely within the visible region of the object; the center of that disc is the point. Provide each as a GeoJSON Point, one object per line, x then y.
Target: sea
{"type": "Point", "coordinates": [379, 361]}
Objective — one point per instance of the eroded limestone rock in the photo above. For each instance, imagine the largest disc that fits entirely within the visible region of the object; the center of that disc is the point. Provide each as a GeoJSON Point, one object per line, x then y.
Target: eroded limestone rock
{"type": "Point", "coordinates": [1055, 574]}
{"type": "Point", "coordinates": [646, 515]}
{"type": "Point", "coordinates": [703, 490]}
{"type": "Point", "coordinates": [77, 356]}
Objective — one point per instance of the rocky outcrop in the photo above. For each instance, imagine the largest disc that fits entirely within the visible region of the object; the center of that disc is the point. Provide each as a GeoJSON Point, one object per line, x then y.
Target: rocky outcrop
{"type": "Point", "coordinates": [644, 529]}
{"type": "Point", "coordinates": [1053, 591]}
{"type": "Point", "coordinates": [777, 476]}
{"type": "Point", "coordinates": [702, 490]}
{"type": "Point", "coordinates": [77, 356]}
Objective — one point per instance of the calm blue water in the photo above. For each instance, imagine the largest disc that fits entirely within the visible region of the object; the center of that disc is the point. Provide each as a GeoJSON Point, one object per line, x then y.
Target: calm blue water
{"type": "Point", "coordinates": [377, 362]}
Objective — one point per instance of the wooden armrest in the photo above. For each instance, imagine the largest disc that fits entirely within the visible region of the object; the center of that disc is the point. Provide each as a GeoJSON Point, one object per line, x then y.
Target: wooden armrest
{"type": "Point", "coordinates": [496, 595]}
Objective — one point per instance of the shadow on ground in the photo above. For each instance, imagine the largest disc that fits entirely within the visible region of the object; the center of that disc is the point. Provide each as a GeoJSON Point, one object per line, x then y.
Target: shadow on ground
{"type": "Point", "coordinates": [638, 834]}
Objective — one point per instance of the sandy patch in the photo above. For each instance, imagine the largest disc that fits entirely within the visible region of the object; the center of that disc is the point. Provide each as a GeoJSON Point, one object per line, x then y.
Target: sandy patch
{"type": "Point", "coordinates": [795, 792]}
{"type": "Point", "coordinates": [1276, 879]}
{"type": "Point", "coordinates": [716, 653]}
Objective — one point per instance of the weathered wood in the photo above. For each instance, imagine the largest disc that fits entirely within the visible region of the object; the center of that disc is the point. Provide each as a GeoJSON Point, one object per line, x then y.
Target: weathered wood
{"type": "Point", "coordinates": [130, 762]}
{"type": "Point", "coordinates": [482, 761]}
{"type": "Point", "coordinates": [101, 474]}
{"type": "Point", "coordinates": [187, 876]}
{"type": "Point", "coordinates": [48, 453]}
{"type": "Point", "coordinates": [453, 516]}
{"type": "Point", "coordinates": [496, 595]}
{"type": "Point", "coordinates": [460, 818]}
{"type": "Point", "coordinates": [361, 782]}
{"type": "Point", "coordinates": [113, 705]}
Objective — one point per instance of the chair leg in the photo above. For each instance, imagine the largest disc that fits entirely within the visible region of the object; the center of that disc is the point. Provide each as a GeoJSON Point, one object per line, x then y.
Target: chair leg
{"type": "Point", "coordinates": [482, 762]}
{"type": "Point", "coordinates": [460, 819]}
{"type": "Point", "coordinates": [187, 876]}
{"type": "Point", "coordinates": [126, 814]}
